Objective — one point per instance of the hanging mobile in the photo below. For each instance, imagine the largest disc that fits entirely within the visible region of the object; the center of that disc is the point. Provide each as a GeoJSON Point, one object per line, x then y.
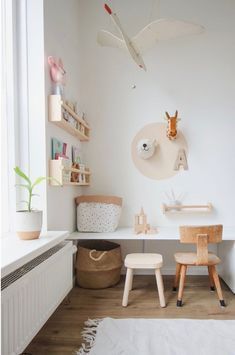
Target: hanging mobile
{"type": "Point", "coordinates": [159, 30]}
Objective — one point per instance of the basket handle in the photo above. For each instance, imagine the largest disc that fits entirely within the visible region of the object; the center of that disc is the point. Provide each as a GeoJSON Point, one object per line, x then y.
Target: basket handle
{"type": "Point", "coordinates": [99, 257]}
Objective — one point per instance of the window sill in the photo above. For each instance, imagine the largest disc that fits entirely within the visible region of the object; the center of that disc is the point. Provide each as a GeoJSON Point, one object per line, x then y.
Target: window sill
{"type": "Point", "coordinates": [15, 252]}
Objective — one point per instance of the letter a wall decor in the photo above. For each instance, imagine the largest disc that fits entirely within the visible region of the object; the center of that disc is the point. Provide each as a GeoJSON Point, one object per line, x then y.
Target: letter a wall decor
{"type": "Point", "coordinates": [155, 155]}
{"type": "Point", "coordinates": [181, 160]}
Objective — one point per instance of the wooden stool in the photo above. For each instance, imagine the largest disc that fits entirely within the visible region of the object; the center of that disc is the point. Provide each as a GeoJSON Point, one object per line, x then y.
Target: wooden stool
{"type": "Point", "coordinates": [200, 236]}
{"type": "Point", "coordinates": [143, 261]}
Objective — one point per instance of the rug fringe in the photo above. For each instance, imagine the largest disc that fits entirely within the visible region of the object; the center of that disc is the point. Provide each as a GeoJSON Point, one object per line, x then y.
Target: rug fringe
{"type": "Point", "coordinates": [88, 335]}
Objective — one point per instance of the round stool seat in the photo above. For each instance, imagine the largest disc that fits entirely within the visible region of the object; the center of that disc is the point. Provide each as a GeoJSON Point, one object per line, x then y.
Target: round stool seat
{"type": "Point", "coordinates": [143, 261]}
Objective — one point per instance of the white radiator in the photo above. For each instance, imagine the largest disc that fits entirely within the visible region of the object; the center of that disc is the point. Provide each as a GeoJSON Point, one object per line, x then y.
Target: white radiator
{"type": "Point", "coordinates": [32, 293]}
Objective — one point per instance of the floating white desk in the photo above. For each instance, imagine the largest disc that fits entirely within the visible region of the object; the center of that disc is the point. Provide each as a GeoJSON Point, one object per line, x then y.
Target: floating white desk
{"type": "Point", "coordinates": [163, 233]}
{"type": "Point", "coordinates": [226, 249]}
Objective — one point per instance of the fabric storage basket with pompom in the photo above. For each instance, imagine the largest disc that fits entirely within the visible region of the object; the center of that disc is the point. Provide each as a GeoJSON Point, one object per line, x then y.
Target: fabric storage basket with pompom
{"type": "Point", "coordinates": [98, 213]}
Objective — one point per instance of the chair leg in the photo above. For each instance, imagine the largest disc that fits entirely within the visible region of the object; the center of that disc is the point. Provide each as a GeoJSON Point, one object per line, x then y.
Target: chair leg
{"type": "Point", "coordinates": [160, 287]}
{"type": "Point", "coordinates": [181, 285]}
{"type": "Point", "coordinates": [212, 284]}
{"type": "Point", "coordinates": [177, 276]}
{"type": "Point", "coordinates": [129, 275]}
{"type": "Point", "coordinates": [217, 285]}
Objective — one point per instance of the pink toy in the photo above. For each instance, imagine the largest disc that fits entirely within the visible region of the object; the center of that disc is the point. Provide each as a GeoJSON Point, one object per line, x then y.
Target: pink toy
{"type": "Point", "coordinates": [57, 74]}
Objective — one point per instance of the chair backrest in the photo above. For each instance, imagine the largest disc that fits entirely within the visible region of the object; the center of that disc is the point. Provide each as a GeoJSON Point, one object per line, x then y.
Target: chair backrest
{"type": "Point", "coordinates": [201, 235]}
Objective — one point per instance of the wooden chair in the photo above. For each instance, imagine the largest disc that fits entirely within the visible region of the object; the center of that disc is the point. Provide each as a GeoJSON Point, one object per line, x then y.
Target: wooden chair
{"type": "Point", "coordinates": [200, 236]}
{"type": "Point", "coordinates": [143, 261]}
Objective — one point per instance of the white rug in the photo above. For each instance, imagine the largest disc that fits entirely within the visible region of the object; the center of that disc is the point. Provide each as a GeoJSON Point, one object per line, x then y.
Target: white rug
{"type": "Point", "coordinates": [158, 337]}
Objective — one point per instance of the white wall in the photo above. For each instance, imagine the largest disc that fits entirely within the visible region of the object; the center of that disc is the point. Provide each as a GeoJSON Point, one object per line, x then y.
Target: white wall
{"type": "Point", "coordinates": [61, 27]}
{"type": "Point", "coordinates": [194, 75]}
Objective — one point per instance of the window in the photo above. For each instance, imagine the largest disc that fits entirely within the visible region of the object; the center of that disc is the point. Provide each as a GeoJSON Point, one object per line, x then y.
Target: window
{"type": "Point", "coordinates": [23, 137]}
{"type": "Point", "coordinates": [8, 127]}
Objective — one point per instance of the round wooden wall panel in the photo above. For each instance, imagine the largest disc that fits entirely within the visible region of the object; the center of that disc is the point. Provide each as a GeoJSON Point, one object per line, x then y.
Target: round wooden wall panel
{"type": "Point", "coordinates": [161, 164]}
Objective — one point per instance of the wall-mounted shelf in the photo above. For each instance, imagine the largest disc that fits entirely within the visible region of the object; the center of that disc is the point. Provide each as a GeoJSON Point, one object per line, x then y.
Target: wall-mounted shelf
{"type": "Point", "coordinates": [63, 174]}
{"type": "Point", "coordinates": [56, 109]}
{"type": "Point", "coordinates": [186, 208]}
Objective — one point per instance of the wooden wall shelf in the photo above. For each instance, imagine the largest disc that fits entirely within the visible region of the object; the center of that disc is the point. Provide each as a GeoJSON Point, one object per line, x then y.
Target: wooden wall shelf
{"type": "Point", "coordinates": [55, 115]}
{"type": "Point", "coordinates": [186, 208]}
{"type": "Point", "coordinates": [57, 172]}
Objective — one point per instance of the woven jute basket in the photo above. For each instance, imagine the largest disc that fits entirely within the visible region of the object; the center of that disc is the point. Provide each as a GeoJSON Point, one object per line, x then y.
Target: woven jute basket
{"type": "Point", "coordinates": [98, 264]}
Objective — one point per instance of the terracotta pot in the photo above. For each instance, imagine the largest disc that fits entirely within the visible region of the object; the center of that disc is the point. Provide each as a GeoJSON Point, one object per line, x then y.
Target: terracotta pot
{"type": "Point", "coordinates": [28, 224]}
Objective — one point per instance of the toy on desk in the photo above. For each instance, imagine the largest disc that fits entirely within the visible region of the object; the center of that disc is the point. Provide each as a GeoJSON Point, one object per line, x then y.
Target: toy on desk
{"type": "Point", "coordinates": [141, 225]}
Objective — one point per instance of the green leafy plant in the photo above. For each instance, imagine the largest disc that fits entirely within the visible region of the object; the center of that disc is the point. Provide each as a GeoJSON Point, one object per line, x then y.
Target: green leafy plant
{"type": "Point", "coordinates": [30, 186]}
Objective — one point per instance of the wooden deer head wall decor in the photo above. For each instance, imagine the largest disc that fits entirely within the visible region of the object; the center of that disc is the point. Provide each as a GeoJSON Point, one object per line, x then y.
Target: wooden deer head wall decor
{"type": "Point", "coordinates": [172, 125]}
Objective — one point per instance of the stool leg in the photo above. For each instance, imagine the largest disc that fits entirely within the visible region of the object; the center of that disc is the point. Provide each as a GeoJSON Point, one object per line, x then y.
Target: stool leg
{"type": "Point", "coordinates": [177, 277]}
{"type": "Point", "coordinates": [217, 285]}
{"type": "Point", "coordinates": [129, 275]}
{"type": "Point", "coordinates": [131, 281]}
{"type": "Point", "coordinates": [160, 287]}
{"type": "Point", "coordinates": [181, 285]}
{"type": "Point", "coordinates": [212, 284]}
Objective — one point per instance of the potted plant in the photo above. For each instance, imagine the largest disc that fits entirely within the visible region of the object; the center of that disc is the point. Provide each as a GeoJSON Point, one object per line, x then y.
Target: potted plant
{"type": "Point", "coordinates": [29, 221]}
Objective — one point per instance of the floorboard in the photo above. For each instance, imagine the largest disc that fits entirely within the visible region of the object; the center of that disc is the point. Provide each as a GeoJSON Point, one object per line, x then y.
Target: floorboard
{"type": "Point", "coordinates": [61, 334]}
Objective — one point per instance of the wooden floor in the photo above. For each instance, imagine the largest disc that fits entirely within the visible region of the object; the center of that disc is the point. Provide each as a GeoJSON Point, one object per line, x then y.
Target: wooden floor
{"type": "Point", "coordinates": [61, 334]}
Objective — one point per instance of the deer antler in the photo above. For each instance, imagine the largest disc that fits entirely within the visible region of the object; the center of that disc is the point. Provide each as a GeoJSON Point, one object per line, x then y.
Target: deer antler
{"type": "Point", "coordinates": [167, 115]}
{"type": "Point", "coordinates": [176, 114]}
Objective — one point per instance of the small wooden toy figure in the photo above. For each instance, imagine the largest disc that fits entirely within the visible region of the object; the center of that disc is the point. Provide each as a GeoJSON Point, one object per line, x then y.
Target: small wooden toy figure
{"type": "Point", "coordinates": [172, 125]}
{"type": "Point", "coordinates": [141, 225]}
